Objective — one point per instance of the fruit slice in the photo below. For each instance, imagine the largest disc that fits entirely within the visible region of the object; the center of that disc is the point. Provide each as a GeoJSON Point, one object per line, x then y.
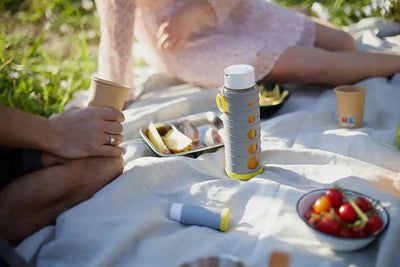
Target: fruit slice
{"type": "Point", "coordinates": [156, 139]}
{"type": "Point", "coordinates": [398, 135]}
{"type": "Point", "coordinates": [188, 129]}
{"type": "Point", "coordinates": [212, 137]}
{"type": "Point", "coordinates": [177, 142]}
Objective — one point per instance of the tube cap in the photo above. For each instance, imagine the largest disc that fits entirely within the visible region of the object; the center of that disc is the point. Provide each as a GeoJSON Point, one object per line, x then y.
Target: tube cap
{"type": "Point", "coordinates": [239, 77]}
{"type": "Point", "coordinates": [224, 219]}
{"type": "Point", "coordinates": [176, 211]}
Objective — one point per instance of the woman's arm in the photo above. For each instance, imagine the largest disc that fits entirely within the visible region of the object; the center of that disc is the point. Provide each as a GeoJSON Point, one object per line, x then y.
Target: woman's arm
{"type": "Point", "coordinates": [117, 39]}
{"type": "Point", "coordinates": [75, 133]}
{"type": "Point", "coordinates": [174, 31]}
{"type": "Point", "coordinates": [223, 8]}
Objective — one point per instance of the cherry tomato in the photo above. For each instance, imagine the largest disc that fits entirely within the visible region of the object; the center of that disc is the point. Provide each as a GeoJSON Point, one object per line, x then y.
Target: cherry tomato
{"type": "Point", "coordinates": [307, 215]}
{"type": "Point", "coordinates": [313, 221]}
{"type": "Point", "coordinates": [321, 205]}
{"type": "Point", "coordinates": [358, 232]}
{"type": "Point", "coordinates": [337, 213]}
{"type": "Point", "coordinates": [347, 213]}
{"type": "Point", "coordinates": [328, 226]}
{"type": "Point", "coordinates": [374, 224]}
{"type": "Point", "coordinates": [335, 197]}
{"type": "Point", "coordinates": [364, 204]}
{"type": "Point", "coordinates": [331, 214]}
{"type": "Point", "coordinates": [345, 232]}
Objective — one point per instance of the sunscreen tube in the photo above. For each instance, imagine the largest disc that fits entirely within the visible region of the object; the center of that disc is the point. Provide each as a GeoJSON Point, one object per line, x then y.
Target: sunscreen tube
{"type": "Point", "coordinates": [197, 215]}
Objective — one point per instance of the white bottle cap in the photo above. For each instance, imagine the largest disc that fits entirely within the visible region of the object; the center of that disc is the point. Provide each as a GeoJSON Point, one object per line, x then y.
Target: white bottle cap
{"type": "Point", "coordinates": [239, 77]}
{"type": "Point", "coordinates": [176, 211]}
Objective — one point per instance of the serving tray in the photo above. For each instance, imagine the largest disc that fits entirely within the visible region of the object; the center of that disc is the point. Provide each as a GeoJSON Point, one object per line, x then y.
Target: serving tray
{"type": "Point", "coordinates": [202, 121]}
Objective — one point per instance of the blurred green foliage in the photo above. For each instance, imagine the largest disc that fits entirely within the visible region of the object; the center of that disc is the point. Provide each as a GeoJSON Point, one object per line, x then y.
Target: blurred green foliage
{"type": "Point", "coordinates": [345, 12]}
{"type": "Point", "coordinates": [34, 81]}
{"type": "Point", "coordinates": [77, 14]}
{"type": "Point", "coordinates": [48, 47]}
{"type": "Point", "coordinates": [44, 53]}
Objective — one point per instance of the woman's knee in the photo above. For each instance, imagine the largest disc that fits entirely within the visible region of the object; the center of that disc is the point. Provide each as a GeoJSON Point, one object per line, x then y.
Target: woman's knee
{"type": "Point", "coordinates": [294, 65]}
{"type": "Point", "coordinates": [348, 42]}
{"type": "Point", "coordinates": [331, 37]}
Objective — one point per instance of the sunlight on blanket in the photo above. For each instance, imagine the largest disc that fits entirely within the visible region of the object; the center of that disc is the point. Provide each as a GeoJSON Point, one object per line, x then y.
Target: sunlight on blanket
{"type": "Point", "coordinates": [390, 185]}
{"type": "Point", "coordinates": [150, 110]}
{"type": "Point", "coordinates": [345, 132]}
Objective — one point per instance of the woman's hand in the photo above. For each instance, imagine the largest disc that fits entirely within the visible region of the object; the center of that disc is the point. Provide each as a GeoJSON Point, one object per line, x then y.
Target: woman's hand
{"type": "Point", "coordinates": [83, 132]}
{"type": "Point", "coordinates": [174, 32]}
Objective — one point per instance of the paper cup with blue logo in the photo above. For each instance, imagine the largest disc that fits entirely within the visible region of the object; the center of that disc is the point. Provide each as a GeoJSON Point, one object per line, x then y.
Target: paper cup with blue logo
{"type": "Point", "coordinates": [350, 101]}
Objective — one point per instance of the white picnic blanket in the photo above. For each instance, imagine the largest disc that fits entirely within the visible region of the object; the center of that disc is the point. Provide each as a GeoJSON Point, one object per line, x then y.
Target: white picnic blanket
{"type": "Point", "coordinates": [127, 224]}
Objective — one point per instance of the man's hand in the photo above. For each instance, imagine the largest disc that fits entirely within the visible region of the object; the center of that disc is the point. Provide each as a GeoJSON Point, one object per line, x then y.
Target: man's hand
{"type": "Point", "coordinates": [83, 132]}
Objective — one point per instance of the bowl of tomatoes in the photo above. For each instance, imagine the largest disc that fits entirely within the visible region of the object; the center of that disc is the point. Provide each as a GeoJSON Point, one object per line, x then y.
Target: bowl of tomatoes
{"type": "Point", "coordinates": [343, 220]}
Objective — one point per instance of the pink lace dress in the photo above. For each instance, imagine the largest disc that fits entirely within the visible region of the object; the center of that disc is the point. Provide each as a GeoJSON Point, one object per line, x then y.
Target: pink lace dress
{"type": "Point", "coordinates": [253, 32]}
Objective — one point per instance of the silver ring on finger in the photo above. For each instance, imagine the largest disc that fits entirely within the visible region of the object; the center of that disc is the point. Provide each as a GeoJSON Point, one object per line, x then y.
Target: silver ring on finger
{"type": "Point", "coordinates": [112, 140]}
{"type": "Point", "coordinates": [167, 44]}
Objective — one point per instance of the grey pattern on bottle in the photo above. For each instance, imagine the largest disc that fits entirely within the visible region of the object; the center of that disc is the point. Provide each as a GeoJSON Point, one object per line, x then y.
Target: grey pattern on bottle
{"type": "Point", "coordinates": [241, 130]}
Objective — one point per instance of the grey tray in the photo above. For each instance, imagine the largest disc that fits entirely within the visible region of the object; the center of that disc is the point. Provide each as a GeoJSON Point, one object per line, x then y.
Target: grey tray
{"type": "Point", "coordinates": [202, 121]}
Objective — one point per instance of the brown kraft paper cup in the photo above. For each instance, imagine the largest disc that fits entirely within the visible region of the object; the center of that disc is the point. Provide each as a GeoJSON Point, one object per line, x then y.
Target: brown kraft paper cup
{"type": "Point", "coordinates": [107, 94]}
{"type": "Point", "coordinates": [350, 101]}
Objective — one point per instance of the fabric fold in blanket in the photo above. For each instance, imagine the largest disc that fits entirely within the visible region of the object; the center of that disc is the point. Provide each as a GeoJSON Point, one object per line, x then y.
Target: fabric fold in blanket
{"type": "Point", "coordinates": [127, 224]}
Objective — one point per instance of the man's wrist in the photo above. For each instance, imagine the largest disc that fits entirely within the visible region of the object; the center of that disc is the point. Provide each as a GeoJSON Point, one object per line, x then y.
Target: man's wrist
{"type": "Point", "coordinates": [49, 136]}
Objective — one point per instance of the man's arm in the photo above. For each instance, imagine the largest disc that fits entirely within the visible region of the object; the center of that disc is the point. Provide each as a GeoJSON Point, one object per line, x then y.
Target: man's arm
{"type": "Point", "coordinates": [74, 133]}
{"type": "Point", "coordinates": [21, 129]}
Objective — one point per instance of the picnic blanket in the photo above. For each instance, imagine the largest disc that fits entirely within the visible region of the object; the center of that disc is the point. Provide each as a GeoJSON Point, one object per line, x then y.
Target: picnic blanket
{"type": "Point", "coordinates": [127, 223]}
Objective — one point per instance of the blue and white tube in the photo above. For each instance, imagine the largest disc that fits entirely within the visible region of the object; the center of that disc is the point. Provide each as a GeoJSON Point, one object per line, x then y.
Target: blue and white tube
{"type": "Point", "coordinates": [202, 216]}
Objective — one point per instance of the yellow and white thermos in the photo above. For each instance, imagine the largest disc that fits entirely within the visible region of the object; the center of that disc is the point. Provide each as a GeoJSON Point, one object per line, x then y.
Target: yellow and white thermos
{"type": "Point", "coordinates": [238, 100]}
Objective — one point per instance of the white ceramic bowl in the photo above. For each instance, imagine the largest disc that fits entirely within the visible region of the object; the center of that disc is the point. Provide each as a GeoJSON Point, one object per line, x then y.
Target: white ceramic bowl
{"type": "Point", "coordinates": [335, 242]}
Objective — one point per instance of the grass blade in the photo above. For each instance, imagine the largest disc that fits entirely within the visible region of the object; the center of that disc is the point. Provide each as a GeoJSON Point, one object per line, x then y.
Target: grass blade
{"type": "Point", "coordinates": [35, 45]}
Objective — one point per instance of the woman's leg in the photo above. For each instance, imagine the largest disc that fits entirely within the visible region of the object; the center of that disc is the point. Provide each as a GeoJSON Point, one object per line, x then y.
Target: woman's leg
{"type": "Point", "coordinates": [329, 36]}
{"type": "Point", "coordinates": [313, 65]}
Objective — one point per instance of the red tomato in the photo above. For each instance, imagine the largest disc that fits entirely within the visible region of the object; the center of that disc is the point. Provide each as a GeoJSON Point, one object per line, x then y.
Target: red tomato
{"type": "Point", "coordinates": [313, 221]}
{"type": "Point", "coordinates": [337, 213]}
{"type": "Point", "coordinates": [345, 232]}
{"type": "Point", "coordinates": [347, 213]}
{"type": "Point", "coordinates": [364, 204]}
{"type": "Point", "coordinates": [307, 215]}
{"type": "Point", "coordinates": [328, 226]}
{"type": "Point", "coordinates": [331, 214]}
{"type": "Point", "coordinates": [358, 232]}
{"type": "Point", "coordinates": [322, 205]}
{"type": "Point", "coordinates": [335, 197]}
{"type": "Point", "coordinates": [374, 224]}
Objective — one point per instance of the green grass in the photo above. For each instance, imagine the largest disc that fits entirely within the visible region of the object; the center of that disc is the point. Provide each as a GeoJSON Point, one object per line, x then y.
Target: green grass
{"type": "Point", "coordinates": [36, 81]}
{"type": "Point", "coordinates": [44, 54]}
{"type": "Point", "coordinates": [48, 48]}
{"type": "Point", "coordinates": [345, 12]}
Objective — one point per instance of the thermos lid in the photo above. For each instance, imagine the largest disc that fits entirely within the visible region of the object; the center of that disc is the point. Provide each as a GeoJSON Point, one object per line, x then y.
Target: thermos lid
{"type": "Point", "coordinates": [239, 76]}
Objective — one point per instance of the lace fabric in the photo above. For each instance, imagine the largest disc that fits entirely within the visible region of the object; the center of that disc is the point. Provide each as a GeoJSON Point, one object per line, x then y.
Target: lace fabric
{"type": "Point", "coordinates": [253, 32]}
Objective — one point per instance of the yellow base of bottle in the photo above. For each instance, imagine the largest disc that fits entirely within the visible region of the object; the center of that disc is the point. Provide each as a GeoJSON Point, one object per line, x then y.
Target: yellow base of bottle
{"type": "Point", "coordinates": [244, 176]}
